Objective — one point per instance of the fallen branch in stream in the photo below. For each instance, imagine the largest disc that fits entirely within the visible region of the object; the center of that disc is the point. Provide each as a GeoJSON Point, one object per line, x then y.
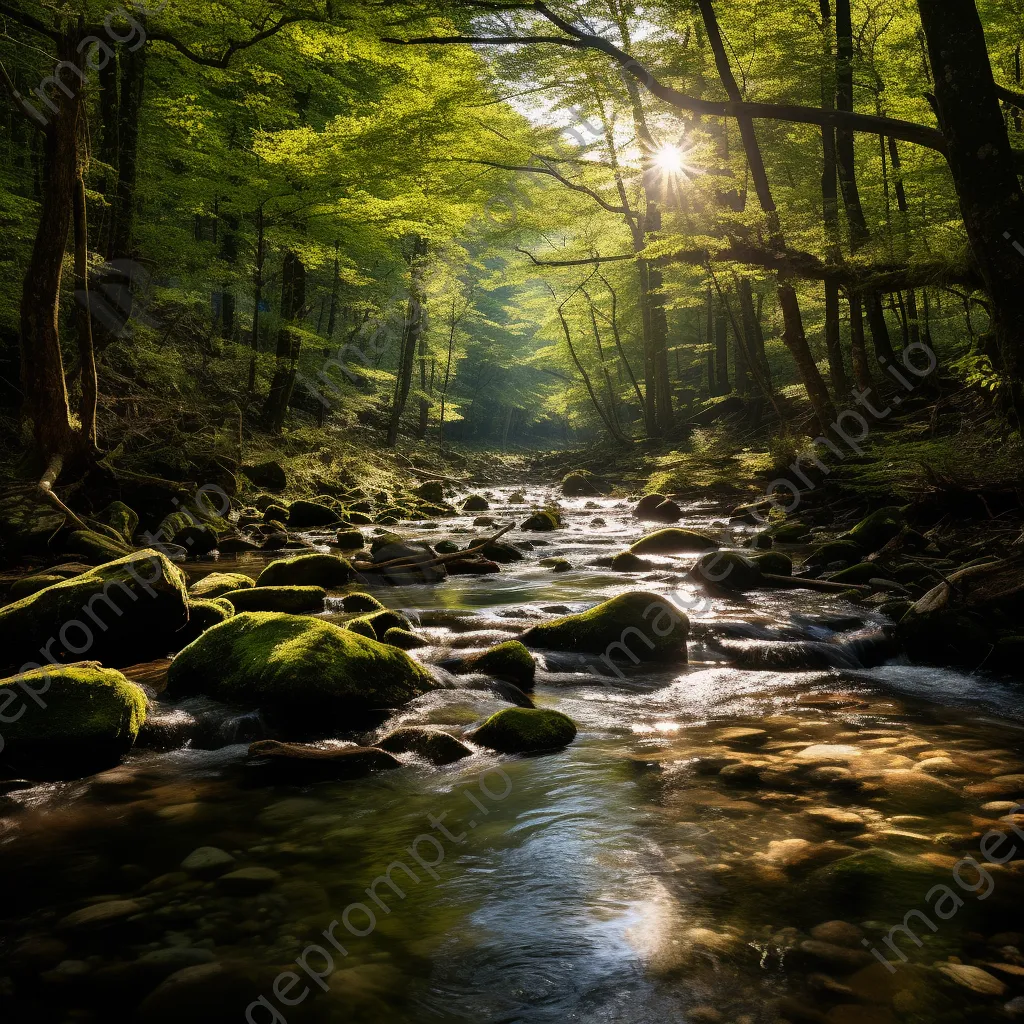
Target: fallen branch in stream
{"type": "Point", "coordinates": [803, 583]}
{"type": "Point", "coordinates": [412, 562]}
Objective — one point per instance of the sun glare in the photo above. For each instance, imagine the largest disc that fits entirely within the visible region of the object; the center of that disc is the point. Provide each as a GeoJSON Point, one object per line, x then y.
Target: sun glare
{"type": "Point", "coordinates": [670, 159]}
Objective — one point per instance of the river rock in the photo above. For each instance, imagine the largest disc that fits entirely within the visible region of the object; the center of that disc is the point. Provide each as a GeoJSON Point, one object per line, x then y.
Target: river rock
{"type": "Point", "coordinates": [120, 613]}
{"type": "Point", "coordinates": [728, 570]}
{"type": "Point", "coordinates": [672, 542]}
{"type": "Point", "coordinates": [542, 520]}
{"type": "Point", "coordinates": [876, 529]}
{"type": "Point", "coordinates": [525, 730]}
{"type": "Point", "coordinates": [510, 661]}
{"type": "Point", "coordinates": [267, 474]}
{"type": "Point", "coordinates": [636, 624]}
{"type": "Point", "coordinates": [580, 484]}
{"type": "Point", "coordinates": [839, 933]}
{"type": "Point", "coordinates": [303, 668]}
{"type": "Point", "coordinates": [208, 862]}
{"type": "Point", "coordinates": [204, 994]}
{"type": "Point", "coordinates": [315, 570]}
{"type": "Point", "coordinates": [217, 584]}
{"type": "Point", "coordinates": [249, 881]}
{"type": "Point", "coordinates": [403, 639]}
{"type": "Point", "coordinates": [302, 514]}
{"type": "Point", "coordinates": [476, 503]}
{"type": "Point", "coordinates": [435, 745]}
{"type": "Point", "coordinates": [917, 792]}
{"type": "Point", "coordinates": [360, 603]}
{"type": "Point", "coordinates": [278, 599]}
{"type": "Point", "coordinates": [300, 763]}
{"type": "Point", "coordinates": [68, 721]}
{"type": "Point", "coordinates": [974, 979]}
{"type": "Point", "coordinates": [100, 916]}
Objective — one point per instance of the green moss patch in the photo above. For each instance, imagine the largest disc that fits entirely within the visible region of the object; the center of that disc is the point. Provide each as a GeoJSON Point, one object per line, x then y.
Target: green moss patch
{"type": "Point", "coordinates": [217, 584]}
{"type": "Point", "coordinates": [404, 639]}
{"type": "Point", "coordinates": [298, 666]}
{"type": "Point", "coordinates": [278, 599]}
{"type": "Point", "coordinates": [525, 730]}
{"type": "Point", "coordinates": [314, 570]}
{"type": "Point", "coordinates": [360, 603]}
{"type": "Point", "coordinates": [510, 661]}
{"type": "Point", "coordinates": [580, 484]}
{"type": "Point", "coordinates": [82, 719]}
{"type": "Point", "coordinates": [673, 542]}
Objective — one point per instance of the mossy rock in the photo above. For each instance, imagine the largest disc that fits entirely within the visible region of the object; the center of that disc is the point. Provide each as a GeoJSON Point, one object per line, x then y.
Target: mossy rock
{"type": "Point", "coordinates": [96, 547]}
{"type": "Point", "coordinates": [652, 510]}
{"type": "Point", "coordinates": [728, 570]}
{"type": "Point", "coordinates": [876, 529]}
{"type": "Point", "coordinates": [267, 474]}
{"type": "Point", "coordinates": [525, 730]}
{"type": "Point", "coordinates": [123, 520]}
{"type": "Point", "coordinates": [434, 745]}
{"type": "Point", "coordinates": [358, 518]}
{"type": "Point", "coordinates": [304, 669]}
{"type": "Point", "coordinates": [404, 639]}
{"type": "Point", "coordinates": [350, 539]}
{"type": "Point", "coordinates": [202, 615]}
{"type": "Point", "coordinates": [895, 610]}
{"type": "Point", "coordinates": [83, 719]}
{"type": "Point", "coordinates": [263, 501]}
{"type": "Point", "coordinates": [844, 551]}
{"type": "Point", "coordinates": [517, 498]}
{"type": "Point", "coordinates": [626, 561]}
{"type": "Point", "coordinates": [790, 533]}
{"type": "Point", "coordinates": [172, 525]}
{"type": "Point", "coordinates": [366, 507]}
{"type": "Point", "coordinates": [363, 628]}
{"type": "Point", "coordinates": [302, 514]}
{"type": "Point", "coordinates": [438, 511]}
{"type": "Point", "coordinates": [673, 542]}
{"type": "Point", "coordinates": [197, 539]}
{"type": "Point", "coordinates": [542, 520]}
{"type": "Point", "coordinates": [28, 585]}
{"type": "Point", "coordinates": [859, 574]}
{"type": "Point", "coordinates": [120, 613]}
{"type": "Point", "coordinates": [387, 520]}
{"type": "Point", "coordinates": [431, 491]}
{"type": "Point", "coordinates": [360, 603]}
{"type": "Point", "coordinates": [275, 514]}
{"type": "Point", "coordinates": [315, 570]}
{"type": "Point", "coordinates": [774, 563]}
{"type": "Point", "coordinates": [217, 584]}
{"type": "Point", "coordinates": [647, 504]}
{"type": "Point", "coordinates": [557, 564]}
{"type": "Point", "coordinates": [510, 661]}
{"type": "Point", "coordinates": [447, 547]}
{"type": "Point", "coordinates": [385, 619]}
{"type": "Point", "coordinates": [642, 623]}
{"type": "Point", "coordinates": [476, 503]}
{"type": "Point", "coordinates": [278, 599]}
{"type": "Point", "coordinates": [762, 541]}
{"type": "Point", "coordinates": [872, 882]}
{"type": "Point", "coordinates": [580, 484]}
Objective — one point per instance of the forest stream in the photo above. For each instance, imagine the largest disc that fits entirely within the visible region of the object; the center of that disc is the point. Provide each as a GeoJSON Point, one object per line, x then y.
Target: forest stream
{"type": "Point", "coordinates": [719, 843]}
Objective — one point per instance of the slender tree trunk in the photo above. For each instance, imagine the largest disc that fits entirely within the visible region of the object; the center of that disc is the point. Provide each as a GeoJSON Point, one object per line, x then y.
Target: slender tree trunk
{"type": "Point", "coordinates": [981, 162]}
{"type": "Point", "coordinates": [293, 299]}
{"type": "Point", "coordinates": [618, 344]}
{"type": "Point", "coordinates": [447, 378]}
{"type": "Point", "coordinates": [421, 431]}
{"type": "Point", "coordinates": [793, 334]}
{"type": "Point", "coordinates": [753, 333]}
{"type": "Point", "coordinates": [132, 89]}
{"type": "Point", "coordinates": [86, 354]}
{"type": "Point", "coordinates": [861, 367]}
{"type": "Point", "coordinates": [332, 317]}
{"type": "Point", "coordinates": [414, 325]}
{"type": "Point", "coordinates": [257, 297]}
{"type": "Point", "coordinates": [710, 317]}
{"type": "Point", "coordinates": [722, 350]}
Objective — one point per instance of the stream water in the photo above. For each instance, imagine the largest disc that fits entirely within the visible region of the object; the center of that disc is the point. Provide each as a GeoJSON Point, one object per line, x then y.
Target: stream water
{"type": "Point", "coordinates": [718, 844]}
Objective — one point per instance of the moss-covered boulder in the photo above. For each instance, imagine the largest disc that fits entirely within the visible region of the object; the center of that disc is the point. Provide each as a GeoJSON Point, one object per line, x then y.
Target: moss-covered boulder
{"type": "Point", "coordinates": [542, 521]}
{"type": "Point", "coordinates": [120, 613]}
{"type": "Point", "coordinates": [431, 491]}
{"type": "Point", "coordinates": [95, 547]}
{"type": "Point", "coordinates": [639, 625]}
{"type": "Point", "coordinates": [33, 584]}
{"type": "Point", "coordinates": [525, 730]}
{"type": "Point", "coordinates": [434, 745]}
{"type": "Point", "coordinates": [877, 529]}
{"type": "Point", "coordinates": [69, 721]}
{"type": "Point", "coordinates": [774, 563]}
{"type": "Point", "coordinates": [647, 504]}
{"type": "Point", "coordinates": [727, 569]}
{"type": "Point", "coordinates": [557, 564]}
{"type": "Point", "coordinates": [217, 584]}
{"type": "Point", "coordinates": [203, 615]}
{"type": "Point", "coordinates": [363, 628]}
{"type": "Point", "coordinates": [124, 521]}
{"type": "Point", "coordinates": [315, 570]}
{"type": "Point", "coordinates": [404, 639]}
{"type": "Point", "coordinates": [447, 547]}
{"type": "Point", "coordinates": [510, 661]}
{"type": "Point", "coordinates": [384, 619]}
{"type": "Point", "coordinates": [673, 542]}
{"type": "Point", "coordinates": [278, 599]}
{"type": "Point", "coordinates": [350, 539]}
{"type": "Point", "coordinates": [360, 603]}
{"type": "Point", "coordinates": [476, 503]}
{"type": "Point", "coordinates": [833, 552]}
{"type": "Point", "coordinates": [517, 498]}
{"type": "Point", "coordinates": [357, 518]}
{"type": "Point", "coordinates": [790, 533]}
{"type": "Point", "coordinates": [303, 514]}
{"type": "Point", "coordinates": [656, 508]}
{"type": "Point", "coordinates": [275, 514]}
{"type": "Point", "coordinates": [499, 551]}
{"type": "Point", "coordinates": [626, 561]}
{"type": "Point", "coordinates": [302, 668]}
{"type": "Point", "coordinates": [580, 484]}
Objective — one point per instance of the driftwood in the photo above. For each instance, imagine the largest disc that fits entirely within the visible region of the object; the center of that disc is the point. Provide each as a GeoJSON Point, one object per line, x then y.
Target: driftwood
{"type": "Point", "coordinates": [976, 586]}
{"type": "Point", "coordinates": [803, 583]}
{"type": "Point", "coordinates": [412, 562]}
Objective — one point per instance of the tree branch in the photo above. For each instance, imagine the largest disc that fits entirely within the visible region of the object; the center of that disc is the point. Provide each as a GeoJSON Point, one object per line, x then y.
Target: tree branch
{"type": "Point", "coordinates": [553, 173]}
{"type": "Point", "coordinates": [588, 262]}
{"type": "Point", "coordinates": [30, 22]}
{"type": "Point", "coordinates": [233, 48]}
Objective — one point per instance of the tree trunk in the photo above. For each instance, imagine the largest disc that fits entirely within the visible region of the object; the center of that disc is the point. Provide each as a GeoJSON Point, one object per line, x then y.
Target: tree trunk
{"type": "Point", "coordinates": [722, 350]}
{"type": "Point", "coordinates": [133, 80]}
{"type": "Point", "coordinates": [293, 299]}
{"type": "Point", "coordinates": [712, 387]}
{"type": "Point", "coordinates": [414, 324]}
{"type": "Point", "coordinates": [421, 430]}
{"type": "Point", "coordinates": [981, 162]}
{"type": "Point", "coordinates": [83, 316]}
{"type": "Point", "coordinates": [754, 334]}
{"type": "Point", "coordinates": [257, 296]}
{"type": "Point", "coordinates": [861, 368]}
{"type": "Point", "coordinates": [793, 332]}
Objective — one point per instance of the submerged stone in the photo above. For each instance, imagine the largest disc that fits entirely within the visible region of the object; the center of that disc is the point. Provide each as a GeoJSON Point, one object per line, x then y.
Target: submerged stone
{"type": "Point", "coordinates": [436, 745]}
{"type": "Point", "coordinates": [525, 730]}
{"type": "Point", "coordinates": [638, 625]}
{"type": "Point", "coordinates": [303, 668]}
{"type": "Point", "coordinates": [510, 661]}
{"type": "Point", "coordinates": [315, 570]}
{"type": "Point", "coordinates": [69, 721]}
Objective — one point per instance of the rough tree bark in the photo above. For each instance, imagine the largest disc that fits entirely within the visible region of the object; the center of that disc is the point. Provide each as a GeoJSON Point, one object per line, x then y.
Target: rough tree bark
{"type": "Point", "coordinates": [414, 325]}
{"type": "Point", "coordinates": [293, 299]}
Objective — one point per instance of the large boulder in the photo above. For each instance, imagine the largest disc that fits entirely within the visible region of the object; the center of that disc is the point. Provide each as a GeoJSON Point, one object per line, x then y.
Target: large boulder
{"type": "Point", "coordinates": [313, 570]}
{"type": "Point", "coordinates": [96, 547]}
{"type": "Point", "coordinates": [656, 508]}
{"type": "Point", "coordinates": [435, 745]}
{"type": "Point", "coordinates": [303, 514]}
{"type": "Point", "coordinates": [121, 613]}
{"type": "Point", "coordinates": [305, 670]}
{"type": "Point", "coordinates": [217, 584]}
{"type": "Point", "coordinates": [877, 529]}
{"type": "Point", "coordinates": [278, 599]}
{"type": "Point", "coordinates": [647, 504]}
{"type": "Point", "coordinates": [267, 474]}
{"type": "Point", "coordinates": [774, 563]}
{"type": "Point", "coordinates": [525, 730]}
{"type": "Point", "coordinates": [476, 503]}
{"type": "Point", "coordinates": [69, 721]}
{"type": "Point", "coordinates": [123, 520]}
{"type": "Point", "coordinates": [729, 570]}
{"type": "Point", "coordinates": [673, 542]}
{"type": "Point", "coordinates": [542, 520]}
{"type": "Point", "coordinates": [580, 484]}
{"type": "Point", "coordinates": [431, 491]}
{"type": "Point", "coordinates": [638, 624]}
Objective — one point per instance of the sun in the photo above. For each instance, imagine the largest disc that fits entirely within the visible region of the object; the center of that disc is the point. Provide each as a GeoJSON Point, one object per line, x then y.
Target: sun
{"type": "Point", "coordinates": [670, 159]}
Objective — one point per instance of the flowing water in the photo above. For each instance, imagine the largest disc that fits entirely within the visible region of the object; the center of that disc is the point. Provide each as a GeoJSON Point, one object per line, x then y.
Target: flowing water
{"type": "Point", "coordinates": [718, 844]}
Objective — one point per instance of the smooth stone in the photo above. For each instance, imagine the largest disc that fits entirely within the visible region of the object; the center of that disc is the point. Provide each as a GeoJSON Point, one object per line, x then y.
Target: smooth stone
{"type": "Point", "coordinates": [835, 817]}
{"type": "Point", "coordinates": [974, 979]}
{"type": "Point", "coordinates": [246, 881]}
{"type": "Point", "coordinates": [208, 862]}
{"type": "Point", "coordinates": [100, 915]}
{"type": "Point", "coordinates": [838, 933]}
